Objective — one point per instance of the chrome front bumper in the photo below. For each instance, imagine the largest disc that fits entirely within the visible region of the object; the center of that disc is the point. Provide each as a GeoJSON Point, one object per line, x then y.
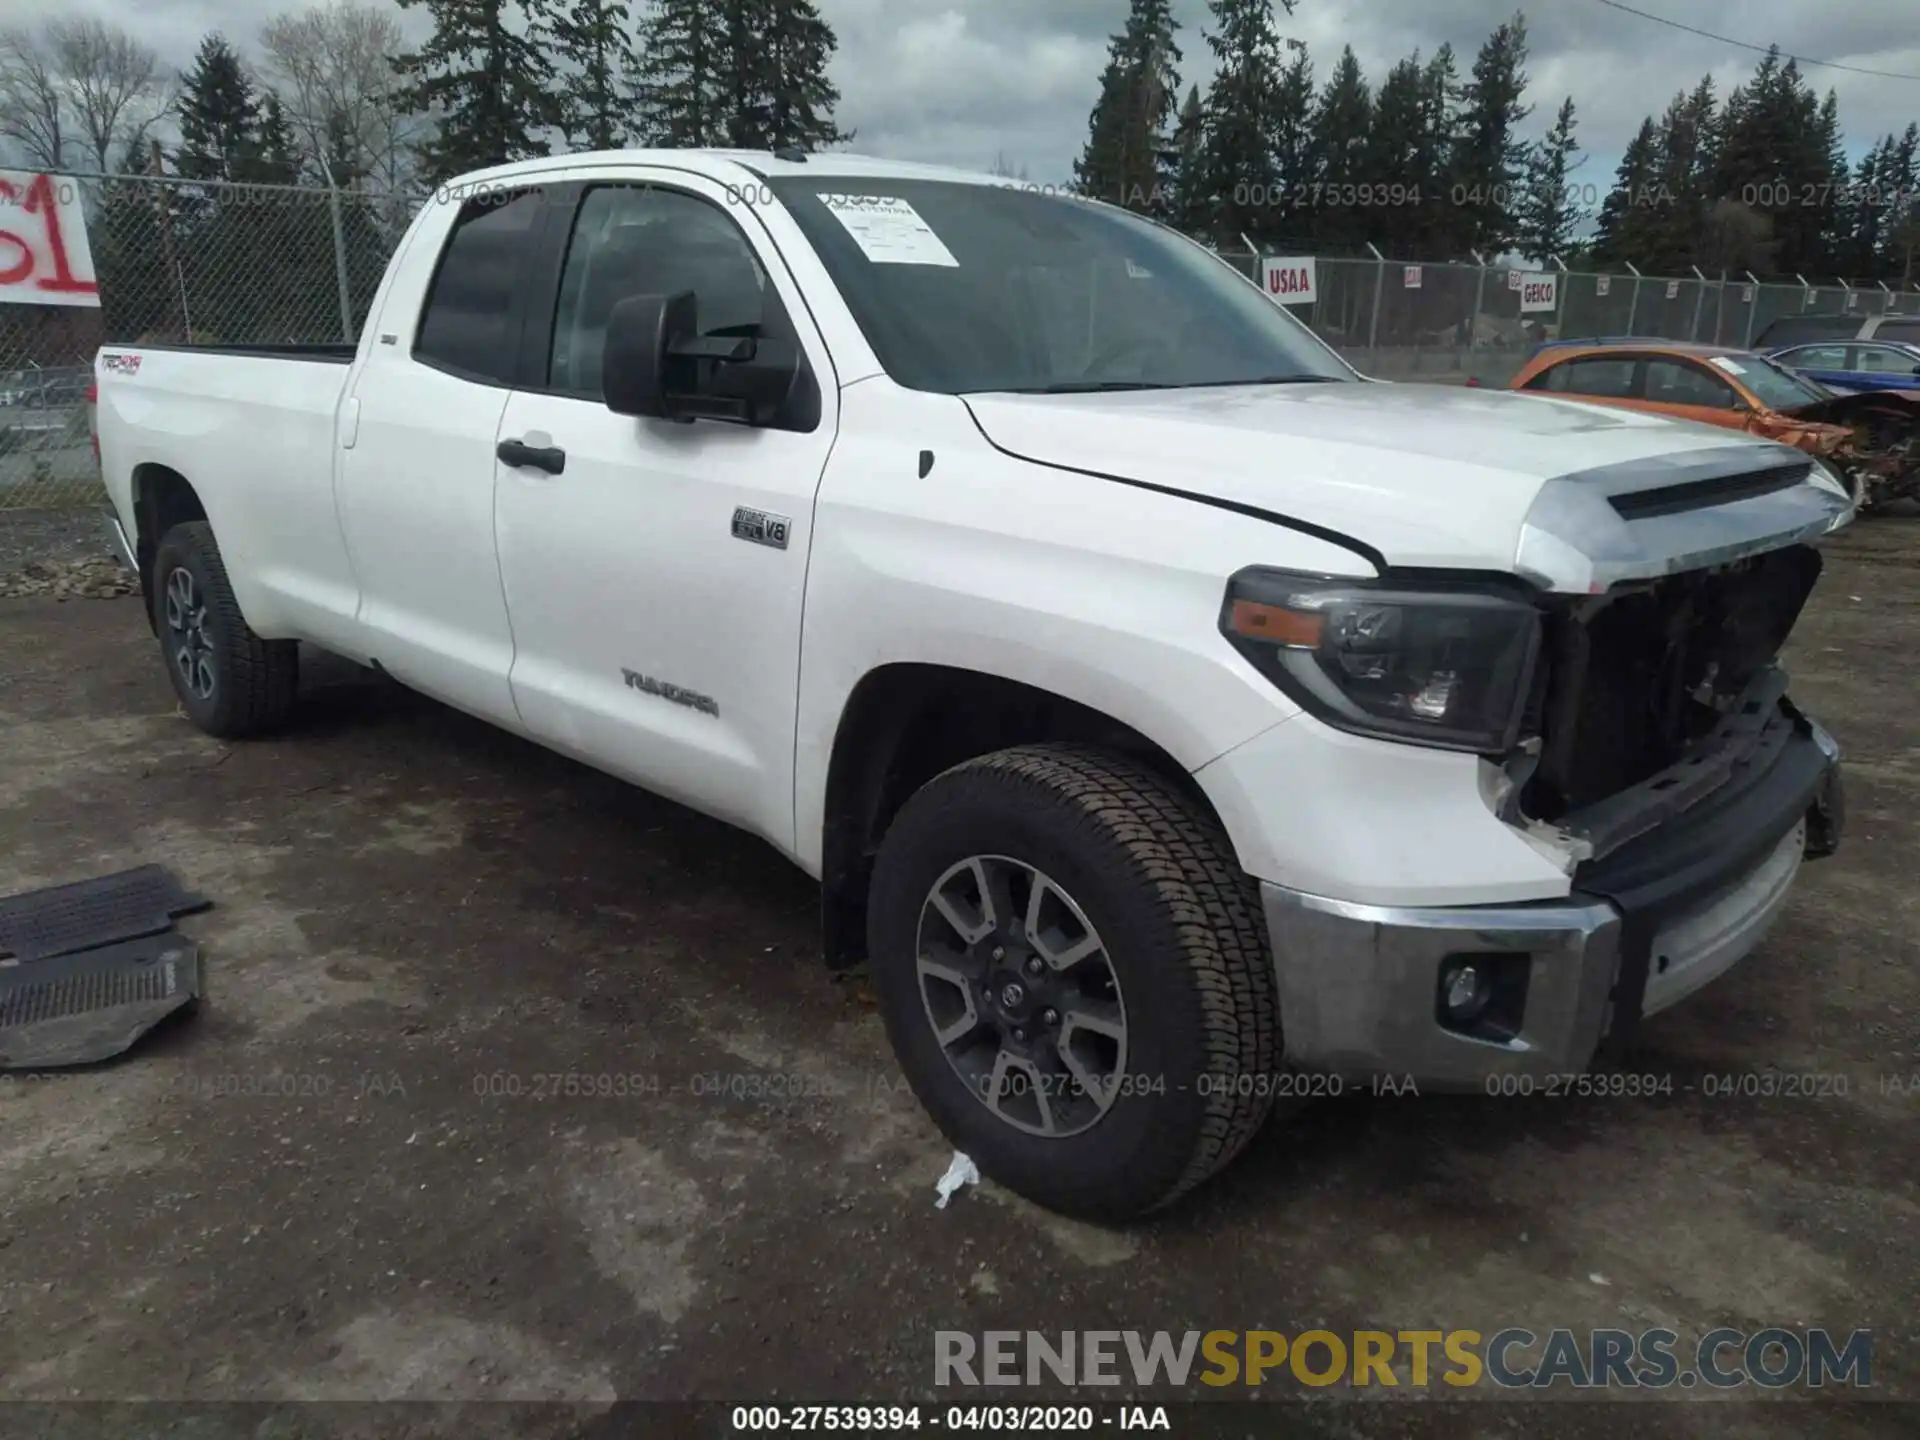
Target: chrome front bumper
{"type": "Point", "coordinates": [1361, 986]}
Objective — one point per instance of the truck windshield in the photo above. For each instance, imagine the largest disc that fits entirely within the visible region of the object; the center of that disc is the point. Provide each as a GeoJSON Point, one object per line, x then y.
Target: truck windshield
{"type": "Point", "coordinates": [971, 287]}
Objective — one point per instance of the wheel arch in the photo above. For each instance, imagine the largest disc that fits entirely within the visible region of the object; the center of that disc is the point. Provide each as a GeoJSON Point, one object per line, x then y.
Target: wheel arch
{"type": "Point", "coordinates": [162, 499]}
{"type": "Point", "coordinates": [905, 723]}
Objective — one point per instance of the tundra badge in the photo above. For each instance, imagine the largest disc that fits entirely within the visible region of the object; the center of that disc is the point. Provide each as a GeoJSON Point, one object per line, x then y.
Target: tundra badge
{"type": "Point", "coordinates": [692, 699]}
{"type": "Point", "coordinates": [761, 528]}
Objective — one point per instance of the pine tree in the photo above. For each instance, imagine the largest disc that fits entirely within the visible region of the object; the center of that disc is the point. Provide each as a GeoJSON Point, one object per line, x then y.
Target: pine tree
{"type": "Point", "coordinates": [681, 77]}
{"type": "Point", "coordinates": [1896, 199]}
{"type": "Point", "coordinates": [1295, 162]}
{"type": "Point", "coordinates": [276, 158]}
{"type": "Point", "coordinates": [1238, 172]}
{"type": "Point", "coordinates": [1549, 215]}
{"type": "Point", "coordinates": [1394, 157]}
{"type": "Point", "coordinates": [1489, 157]}
{"type": "Point", "coordinates": [1835, 214]}
{"type": "Point", "coordinates": [486, 79]}
{"type": "Point", "coordinates": [219, 115]}
{"type": "Point", "coordinates": [1128, 129]}
{"type": "Point", "coordinates": [1621, 235]}
{"type": "Point", "coordinates": [1683, 182]}
{"type": "Point", "coordinates": [593, 49]}
{"type": "Point", "coordinates": [1774, 155]}
{"type": "Point", "coordinates": [1435, 221]}
{"type": "Point", "coordinates": [780, 50]}
{"type": "Point", "coordinates": [1189, 210]}
{"type": "Point", "coordinates": [1342, 127]}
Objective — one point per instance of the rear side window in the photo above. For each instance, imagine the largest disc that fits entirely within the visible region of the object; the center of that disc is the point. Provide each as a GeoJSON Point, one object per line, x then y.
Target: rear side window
{"type": "Point", "coordinates": [1817, 357]}
{"type": "Point", "coordinates": [1906, 331]}
{"type": "Point", "coordinates": [1885, 360]}
{"type": "Point", "coordinates": [464, 324]}
{"type": "Point", "coordinates": [1677, 382]}
{"type": "Point", "coordinates": [1603, 379]}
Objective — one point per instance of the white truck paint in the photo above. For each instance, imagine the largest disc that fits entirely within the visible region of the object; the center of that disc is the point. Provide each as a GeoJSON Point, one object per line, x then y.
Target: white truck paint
{"type": "Point", "coordinates": [1079, 544]}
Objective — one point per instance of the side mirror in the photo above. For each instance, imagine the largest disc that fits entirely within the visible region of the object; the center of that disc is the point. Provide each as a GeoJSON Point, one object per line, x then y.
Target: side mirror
{"type": "Point", "coordinates": [641, 330]}
{"type": "Point", "coordinates": [657, 364]}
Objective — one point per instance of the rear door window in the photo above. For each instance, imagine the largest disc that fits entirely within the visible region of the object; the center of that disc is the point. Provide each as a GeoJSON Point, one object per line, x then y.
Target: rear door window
{"type": "Point", "coordinates": [1604, 379]}
{"type": "Point", "coordinates": [1818, 357]}
{"type": "Point", "coordinates": [1885, 360]}
{"type": "Point", "coordinates": [1681, 382]}
{"type": "Point", "coordinates": [1905, 331]}
{"type": "Point", "coordinates": [466, 325]}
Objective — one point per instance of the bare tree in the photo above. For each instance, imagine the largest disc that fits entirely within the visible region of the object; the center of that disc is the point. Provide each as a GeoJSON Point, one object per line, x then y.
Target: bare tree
{"type": "Point", "coordinates": [77, 90]}
{"type": "Point", "coordinates": [113, 83]}
{"type": "Point", "coordinates": [33, 110]}
{"type": "Point", "coordinates": [335, 75]}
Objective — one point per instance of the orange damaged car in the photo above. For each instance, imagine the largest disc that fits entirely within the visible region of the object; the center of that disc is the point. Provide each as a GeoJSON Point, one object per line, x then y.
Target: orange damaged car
{"type": "Point", "coordinates": [1873, 437]}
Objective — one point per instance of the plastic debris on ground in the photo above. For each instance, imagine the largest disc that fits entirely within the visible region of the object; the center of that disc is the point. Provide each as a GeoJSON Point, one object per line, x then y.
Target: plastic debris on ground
{"type": "Point", "coordinates": [962, 1171]}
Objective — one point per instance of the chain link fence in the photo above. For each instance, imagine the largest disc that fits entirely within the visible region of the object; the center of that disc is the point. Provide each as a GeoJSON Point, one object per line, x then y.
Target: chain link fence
{"type": "Point", "coordinates": [179, 261]}
{"type": "Point", "coordinates": [213, 263]}
{"type": "Point", "coordinates": [1449, 323]}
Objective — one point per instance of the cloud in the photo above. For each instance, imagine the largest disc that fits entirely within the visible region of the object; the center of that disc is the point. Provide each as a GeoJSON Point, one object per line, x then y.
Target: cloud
{"type": "Point", "coordinates": [966, 83]}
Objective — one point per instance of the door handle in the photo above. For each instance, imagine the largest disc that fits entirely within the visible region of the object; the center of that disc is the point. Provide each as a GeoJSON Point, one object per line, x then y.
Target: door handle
{"type": "Point", "coordinates": [550, 458]}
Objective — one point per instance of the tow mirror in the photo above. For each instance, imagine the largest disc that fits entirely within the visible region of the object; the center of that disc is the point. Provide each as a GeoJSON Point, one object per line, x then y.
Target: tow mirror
{"type": "Point", "coordinates": [658, 364]}
{"type": "Point", "coordinates": [642, 330]}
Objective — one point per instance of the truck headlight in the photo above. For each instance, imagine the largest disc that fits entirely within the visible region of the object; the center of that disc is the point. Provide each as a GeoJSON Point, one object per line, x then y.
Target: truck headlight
{"type": "Point", "coordinates": [1437, 663]}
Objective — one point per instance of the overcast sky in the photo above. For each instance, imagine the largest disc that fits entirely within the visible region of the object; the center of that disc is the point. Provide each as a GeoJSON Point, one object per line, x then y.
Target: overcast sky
{"type": "Point", "coordinates": [965, 83]}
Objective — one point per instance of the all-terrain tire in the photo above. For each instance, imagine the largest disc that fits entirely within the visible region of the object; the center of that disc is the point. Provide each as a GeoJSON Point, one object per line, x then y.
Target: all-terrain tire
{"type": "Point", "coordinates": [253, 681]}
{"type": "Point", "coordinates": [1186, 941]}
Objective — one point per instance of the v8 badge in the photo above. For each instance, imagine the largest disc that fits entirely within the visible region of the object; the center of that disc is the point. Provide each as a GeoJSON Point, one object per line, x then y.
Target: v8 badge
{"type": "Point", "coordinates": [762, 528]}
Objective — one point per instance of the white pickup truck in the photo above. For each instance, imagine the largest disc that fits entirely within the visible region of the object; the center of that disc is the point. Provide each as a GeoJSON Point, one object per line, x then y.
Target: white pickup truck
{"type": "Point", "coordinates": [1175, 720]}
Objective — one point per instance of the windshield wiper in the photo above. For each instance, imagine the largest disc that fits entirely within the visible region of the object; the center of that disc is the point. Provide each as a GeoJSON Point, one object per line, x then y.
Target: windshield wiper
{"type": "Point", "coordinates": [1265, 380]}
{"type": "Point", "coordinates": [1088, 387]}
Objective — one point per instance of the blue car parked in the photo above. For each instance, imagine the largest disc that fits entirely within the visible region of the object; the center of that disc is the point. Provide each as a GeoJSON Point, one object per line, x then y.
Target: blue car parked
{"type": "Point", "coordinates": [1855, 365]}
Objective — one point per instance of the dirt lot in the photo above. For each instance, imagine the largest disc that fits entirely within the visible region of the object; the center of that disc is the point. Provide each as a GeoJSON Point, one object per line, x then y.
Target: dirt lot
{"type": "Point", "coordinates": [419, 918]}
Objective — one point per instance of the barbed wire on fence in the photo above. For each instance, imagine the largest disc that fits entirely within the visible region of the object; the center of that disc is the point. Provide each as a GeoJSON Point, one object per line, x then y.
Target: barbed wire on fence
{"type": "Point", "coordinates": [209, 262]}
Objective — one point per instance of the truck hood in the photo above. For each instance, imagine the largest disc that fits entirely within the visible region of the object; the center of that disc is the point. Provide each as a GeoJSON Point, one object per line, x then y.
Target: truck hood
{"type": "Point", "coordinates": [1430, 475]}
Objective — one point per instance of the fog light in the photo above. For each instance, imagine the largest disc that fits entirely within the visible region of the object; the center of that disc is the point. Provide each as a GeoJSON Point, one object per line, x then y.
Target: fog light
{"type": "Point", "coordinates": [1465, 990]}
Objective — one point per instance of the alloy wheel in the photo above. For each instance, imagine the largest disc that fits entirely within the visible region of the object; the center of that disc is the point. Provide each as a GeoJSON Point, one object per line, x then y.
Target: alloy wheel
{"type": "Point", "coordinates": [188, 641]}
{"type": "Point", "coordinates": [1022, 995]}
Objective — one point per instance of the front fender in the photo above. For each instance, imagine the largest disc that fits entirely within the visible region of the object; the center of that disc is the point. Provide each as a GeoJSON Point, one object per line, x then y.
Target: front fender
{"type": "Point", "coordinates": [1097, 592]}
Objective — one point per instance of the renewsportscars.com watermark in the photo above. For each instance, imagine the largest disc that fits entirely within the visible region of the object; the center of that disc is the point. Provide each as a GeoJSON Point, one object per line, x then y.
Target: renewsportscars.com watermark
{"type": "Point", "coordinates": [1512, 1359]}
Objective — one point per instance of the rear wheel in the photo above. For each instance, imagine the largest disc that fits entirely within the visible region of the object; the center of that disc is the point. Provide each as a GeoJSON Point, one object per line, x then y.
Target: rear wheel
{"type": "Point", "coordinates": [231, 683]}
{"type": "Point", "coordinates": [1074, 973]}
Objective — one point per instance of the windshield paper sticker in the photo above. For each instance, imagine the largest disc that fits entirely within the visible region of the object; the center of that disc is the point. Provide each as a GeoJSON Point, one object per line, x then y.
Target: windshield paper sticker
{"type": "Point", "coordinates": [1732, 367]}
{"type": "Point", "coordinates": [888, 230]}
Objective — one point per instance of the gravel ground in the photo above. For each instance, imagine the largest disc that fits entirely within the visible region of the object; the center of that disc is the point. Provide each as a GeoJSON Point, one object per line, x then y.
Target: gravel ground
{"type": "Point", "coordinates": [515, 1084]}
{"type": "Point", "coordinates": [49, 536]}
{"type": "Point", "coordinates": [58, 553]}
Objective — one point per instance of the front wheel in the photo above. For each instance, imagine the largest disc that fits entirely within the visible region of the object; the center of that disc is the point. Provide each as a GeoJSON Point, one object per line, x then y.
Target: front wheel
{"type": "Point", "coordinates": [231, 683]}
{"type": "Point", "coordinates": [1074, 973]}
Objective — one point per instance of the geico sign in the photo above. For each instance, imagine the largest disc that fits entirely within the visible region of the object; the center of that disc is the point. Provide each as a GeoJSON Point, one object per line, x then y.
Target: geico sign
{"type": "Point", "coordinates": [1290, 280]}
{"type": "Point", "coordinates": [1539, 292]}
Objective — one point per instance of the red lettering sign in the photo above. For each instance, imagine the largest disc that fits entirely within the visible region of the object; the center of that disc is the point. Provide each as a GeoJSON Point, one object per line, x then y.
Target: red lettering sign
{"type": "Point", "coordinates": [45, 259]}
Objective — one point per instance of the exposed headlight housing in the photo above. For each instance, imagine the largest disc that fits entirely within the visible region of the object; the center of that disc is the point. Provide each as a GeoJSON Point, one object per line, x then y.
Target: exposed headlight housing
{"type": "Point", "coordinates": [1440, 663]}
